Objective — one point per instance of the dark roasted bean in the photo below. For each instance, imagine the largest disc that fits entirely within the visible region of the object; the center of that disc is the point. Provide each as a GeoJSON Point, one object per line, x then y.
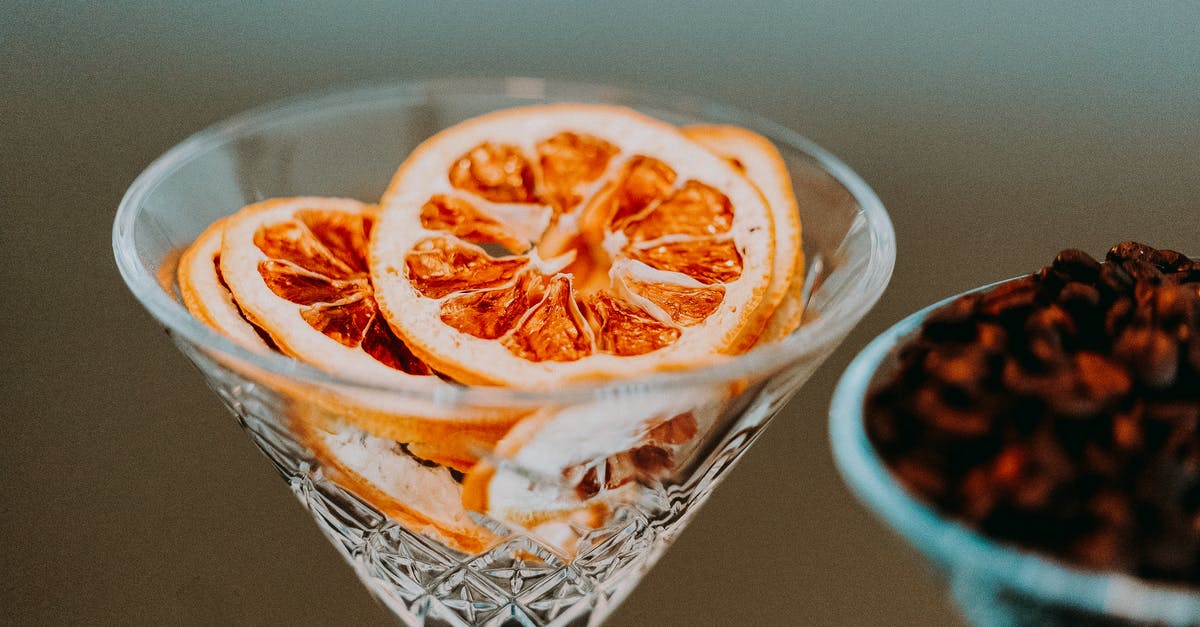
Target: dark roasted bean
{"type": "Point", "coordinates": [1187, 272]}
{"type": "Point", "coordinates": [1118, 316]}
{"type": "Point", "coordinates": [1193, 353]}
{"type": "Point", "coordinates": [963, 368]}
{"type": "Point", "coordinates": [1127, 251]}
{"type": "Point", "coordinates": [948, 420]}
{"type": "Point", "coordinates": [1170, 260]}
{"type": "Point", "coordinates": [1061, 411]}
{"type": "Point", "coordinates": [1077, 265]}
{"type": "Point", "coordinates": [1014, 297]}
{"type": "Point", "coordinates": [1177, 304]}
{"type": "Point", "coordinates": [1115, 279]}
{"type": "Point", "coordinates": [1143, 271]}
{"type": "Point", "coordinates": [991, 338]}
{"type": "Point", "coordinates": [954, 322]}
{"type": "Point", "coordinates": [1079, 294]}
{"type": "Point", "coordinates": [1150, 353]}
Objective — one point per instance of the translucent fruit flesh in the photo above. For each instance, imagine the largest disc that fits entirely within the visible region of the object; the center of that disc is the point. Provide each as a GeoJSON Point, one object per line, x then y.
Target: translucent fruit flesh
{"type": "Point", "coordinates": [316, 260]}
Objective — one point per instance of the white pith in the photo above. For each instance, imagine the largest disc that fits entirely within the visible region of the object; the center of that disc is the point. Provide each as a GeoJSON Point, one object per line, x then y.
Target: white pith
{"type": "Point", "coordinates": [204, 295]}
{"type": "Point", "coordinates": [766, 169]}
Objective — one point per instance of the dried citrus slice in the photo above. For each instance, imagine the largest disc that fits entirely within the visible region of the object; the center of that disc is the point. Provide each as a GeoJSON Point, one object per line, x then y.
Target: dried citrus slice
{"type": "Point", "coordinates": [297, 269]}
{"type": "Point", "coordinates": [760, 161]}
{"type": "Point", "coordinates": [424, 498]}
{"type": "Point", "coordinates": [559, 242]}
{"type": "Point", "coordinates": [562, 461]}
{"type": "Point", "coordinates": [206, 295]}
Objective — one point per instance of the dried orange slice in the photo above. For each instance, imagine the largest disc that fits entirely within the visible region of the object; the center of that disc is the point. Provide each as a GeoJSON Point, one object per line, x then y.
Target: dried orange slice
{"type": "Point", "coordinates": [584, 457]}
{"type": "Point", "coordinates": [757, 158]}
{"type": "Point", "coordinates": [297, 268]}
{"type": "Point", "coordinates": [424, 498]}
{"type": "Point", "coordinates": [558, 242]}
{"type": "Point", "coordinates": [206, 295]}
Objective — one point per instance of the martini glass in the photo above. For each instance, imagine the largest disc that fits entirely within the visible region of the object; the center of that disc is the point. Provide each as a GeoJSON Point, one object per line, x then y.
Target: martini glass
{"type": "Point", "coordinates": [577, 570]}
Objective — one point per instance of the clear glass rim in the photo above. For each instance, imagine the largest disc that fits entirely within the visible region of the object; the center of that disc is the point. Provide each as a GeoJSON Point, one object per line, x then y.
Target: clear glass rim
{"type": "Point", "coordinates": [951, 544]}
{"type": "Point", "coordinates": [834, 322]}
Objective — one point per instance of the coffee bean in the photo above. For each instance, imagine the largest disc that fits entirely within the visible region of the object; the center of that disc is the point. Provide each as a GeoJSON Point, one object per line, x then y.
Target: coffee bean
{"type": "Point", "coordinates": [1013, 298]}
{"type": "Point", "coordinates": [1061, 411]}
{"type": "Point", "coordinates": [1118, 316]}
{"type": "Point", "coordinates": [1129, 251]}
{"type": "Point", "coordinates": [1077, 265]}
{"type": "Point", "coordinates": [953, 323]}
{"type": "Point", "coordinates": [1094, 383]}
{"type": "Point", "coordinates": [948, 420]}
{"type": "Point", "coordinates": [1020, 380]}
{"type": "Point", "coordinates": [1177, 305]}
{"type": "Point", "coordinates": [1127, 430]}
{"type": "Point", "coordinates": [1103, 549]}
{"type": "Point", "coordinates": [1188, 272]}
{"type": "Point", "coordinates": [1193, 353]}
{"type": "Point", "coordinates": [1151, 354]}
{"type": "Point", "coordinates": [964, 368]}
{"type": "Point", "coordinates": [920, 477]}
{"type": "Point", "coordinates": [1170, 260]}
{"type": "Point", "coordinates": [1079, 295]}
{"type": "Point", "coordinates": [1143, 271]}
{"type": "Point", "coordinates": [979, 495]}
{"type": "Point", "coordinates": [1115, 280]}
{"type": "Point", "coordinates": [991, 338]}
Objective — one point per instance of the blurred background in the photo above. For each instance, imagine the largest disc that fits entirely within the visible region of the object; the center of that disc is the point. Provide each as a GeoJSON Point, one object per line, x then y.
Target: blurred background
{"type": "Point", "coordinates": [995, 136]}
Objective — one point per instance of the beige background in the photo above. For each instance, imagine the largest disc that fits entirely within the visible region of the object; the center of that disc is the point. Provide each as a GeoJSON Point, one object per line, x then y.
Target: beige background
{"type": "Point", "coordinates": [994, 136]}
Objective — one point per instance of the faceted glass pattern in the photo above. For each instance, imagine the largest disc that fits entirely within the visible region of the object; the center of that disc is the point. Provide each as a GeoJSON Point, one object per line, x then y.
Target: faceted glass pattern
{"type": "Point", "coordinates": [348, 144]}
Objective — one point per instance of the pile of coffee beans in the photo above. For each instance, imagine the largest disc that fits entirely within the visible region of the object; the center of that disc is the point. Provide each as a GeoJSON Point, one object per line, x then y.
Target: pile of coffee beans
{"type": "Point", "coordinates": [1061, 411]}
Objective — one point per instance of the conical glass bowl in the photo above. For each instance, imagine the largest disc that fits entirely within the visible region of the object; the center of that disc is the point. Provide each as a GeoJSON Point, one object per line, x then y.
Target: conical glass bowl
{"type": "Point", "coordinates": [573, 570]}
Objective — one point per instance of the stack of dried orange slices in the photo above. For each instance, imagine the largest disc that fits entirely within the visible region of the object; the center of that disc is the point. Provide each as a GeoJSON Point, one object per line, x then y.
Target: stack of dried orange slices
{"type": "Point", "coordinates": [528, 248]}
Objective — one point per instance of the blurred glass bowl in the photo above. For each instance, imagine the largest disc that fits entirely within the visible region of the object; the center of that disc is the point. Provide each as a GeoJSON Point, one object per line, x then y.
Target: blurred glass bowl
{"type": "Point", "coordinates": [991, 582]}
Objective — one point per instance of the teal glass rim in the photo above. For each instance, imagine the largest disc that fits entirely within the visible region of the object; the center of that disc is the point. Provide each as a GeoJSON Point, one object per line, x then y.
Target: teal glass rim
{"type": "Point", "coordinates": [954, 547]}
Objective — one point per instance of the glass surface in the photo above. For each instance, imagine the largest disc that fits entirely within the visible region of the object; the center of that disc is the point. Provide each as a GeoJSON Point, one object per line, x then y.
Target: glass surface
{"type": "Point", "coordinates": [991, 582]}
{"type": "Point", "coordinates": [577, 568]}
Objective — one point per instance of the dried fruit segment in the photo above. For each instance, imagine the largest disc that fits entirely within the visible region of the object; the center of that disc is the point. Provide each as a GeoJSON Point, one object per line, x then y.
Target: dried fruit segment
{"type": "Point", "coordinates": [568, 161]}
{"type": "Point", "coordinates": [461, 219]}
{"type": "Point", "coordinates": [754, 156]}
{"type": "Point", "coordinates": [553, 330]}
{"type": "Point", "coordinates": [305, 287]}
{"type": "Point", "coordinates": [299, 265]}
{"type": "Point", "coordinates": [345, 320]}
{"type": "Point", "coordinates": [296, 266]}
{"type": "Point", "coordinates": [425, 499]}
{"type": "Point", "coordinates": [207, 296]}
{"type": "Point", "coordinates": [523, 248]}
{"type": "Point", "coordinates": [489, 314]}
{"type": "Point", "coordinates": [696, 209]}
{"type": "Point", "coordinates": [684, 305]}
{"type": "Point", "coordinates": [623, 191]}
{"type": "Point", "coordinates": [709, 261]}
{"type": "Point", "coordinates": [643, 182]}
{"type": "Point", "coordinates": [499, 173]}
{"type": "Point", "coordinates": [440, 266]}
{"type": "Point", "coordinates": [565, 460]}
{"type": "Point", "coordinates": [624, 329]}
